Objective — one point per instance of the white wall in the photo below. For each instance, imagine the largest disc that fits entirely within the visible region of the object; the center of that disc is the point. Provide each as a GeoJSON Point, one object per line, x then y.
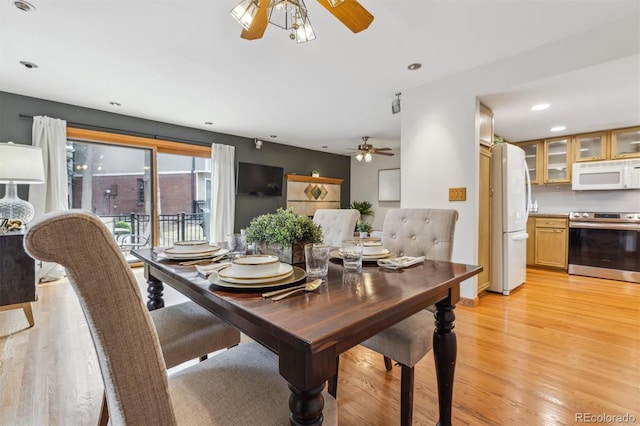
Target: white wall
{"type": "Point", "coordinates": [439, 133]}
{"type": "Point", "coordinates": [561, 199]}
{"type": "Point", "coordinates": [364, 184]}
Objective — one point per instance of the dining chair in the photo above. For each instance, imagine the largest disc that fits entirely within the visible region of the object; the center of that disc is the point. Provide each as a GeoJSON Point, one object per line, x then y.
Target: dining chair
{"type": "Point", "coordinates": [413, 232]}
{"type": "Point", "coordinates": [238, 386]}
{"type": "Point", "coordinates": [337, 224]}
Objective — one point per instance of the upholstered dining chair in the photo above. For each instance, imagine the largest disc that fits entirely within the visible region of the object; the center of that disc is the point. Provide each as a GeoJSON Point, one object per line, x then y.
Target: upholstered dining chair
{"type": "Point", "coordinates": [238, 386]}
{"type": "Point", "coordinates": [413, 232]}
{"type": "Point", "coordinates": [337, 224]}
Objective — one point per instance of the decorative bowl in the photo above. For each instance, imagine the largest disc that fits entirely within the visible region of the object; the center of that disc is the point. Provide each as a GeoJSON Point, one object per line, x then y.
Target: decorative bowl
{"type": "Point", "coordinates": [257, 265]}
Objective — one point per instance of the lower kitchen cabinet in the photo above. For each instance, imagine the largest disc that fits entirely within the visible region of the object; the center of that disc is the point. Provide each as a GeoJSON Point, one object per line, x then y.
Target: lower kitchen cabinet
{"type": "Point", "coordinates": [548, 244]}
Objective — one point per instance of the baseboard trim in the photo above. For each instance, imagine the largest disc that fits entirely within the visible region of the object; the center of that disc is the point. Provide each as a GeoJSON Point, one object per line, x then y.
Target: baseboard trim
{"type": "Point", "coordinates": [469, 302]}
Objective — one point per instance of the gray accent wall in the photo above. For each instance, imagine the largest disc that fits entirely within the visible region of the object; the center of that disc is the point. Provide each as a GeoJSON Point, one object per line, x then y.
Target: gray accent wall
{"type": "Point", "coordinates": [293, 160]}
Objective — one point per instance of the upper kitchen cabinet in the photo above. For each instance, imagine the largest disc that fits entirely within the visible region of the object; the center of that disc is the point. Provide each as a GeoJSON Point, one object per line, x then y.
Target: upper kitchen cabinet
{"type": "Point", "coordinates": [557, 166]}
{"type": "Point", "coordinates": [533, 157]}
{"type": "Point", "coordinates": [485, 126]}
{"type": "Point", "coordinates": [591, 146]}
{"type": "Point", "coordinates": [625, 143]}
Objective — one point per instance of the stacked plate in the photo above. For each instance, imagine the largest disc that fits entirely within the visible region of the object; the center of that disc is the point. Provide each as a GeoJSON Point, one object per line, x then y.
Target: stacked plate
{"type": "Point", "coordinates": [257, 271]}
{"type": "Point", "coordinates": [193, 249]}
{"type": "Point", "coordinates": [374, 250]}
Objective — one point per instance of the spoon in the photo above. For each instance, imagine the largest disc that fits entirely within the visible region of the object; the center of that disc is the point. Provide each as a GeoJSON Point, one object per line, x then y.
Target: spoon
{"type": "Point", "coordinates": [310, 286]}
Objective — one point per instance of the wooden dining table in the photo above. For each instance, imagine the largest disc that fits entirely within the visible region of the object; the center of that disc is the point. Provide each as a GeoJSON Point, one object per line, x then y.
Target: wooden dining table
{"type": "Point", "coordinates": [310, 330]}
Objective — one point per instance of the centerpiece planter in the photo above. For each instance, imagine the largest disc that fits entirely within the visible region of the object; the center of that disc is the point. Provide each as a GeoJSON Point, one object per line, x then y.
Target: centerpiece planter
{"type": "Point", "coordinates": [283, 234]}
{"type": "Point", "coordinates": [292, 253]}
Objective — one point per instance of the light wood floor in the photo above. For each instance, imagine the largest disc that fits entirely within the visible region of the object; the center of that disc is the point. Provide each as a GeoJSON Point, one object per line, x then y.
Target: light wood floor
{"type": "Point", "coordinates": [558, 346]}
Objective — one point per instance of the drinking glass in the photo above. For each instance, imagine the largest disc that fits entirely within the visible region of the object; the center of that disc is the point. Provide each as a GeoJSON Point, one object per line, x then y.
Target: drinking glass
{"type": "Point", "coordinates": [316, 257]}
{"type": "Point", "coordinates": [352, 255]}
{"type": "Point", "coordinates": [237, 245]}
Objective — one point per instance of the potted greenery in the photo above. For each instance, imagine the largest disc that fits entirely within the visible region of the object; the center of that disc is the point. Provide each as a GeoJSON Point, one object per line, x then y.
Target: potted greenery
{"type": "Point", "coordinates": [284, 234]}
{"type": "Point", "coordinates": [315, 173]}
{"type": "Point", "coordinates": [363, 228]}
{"type": "Point", "coordinates": [364, 207]}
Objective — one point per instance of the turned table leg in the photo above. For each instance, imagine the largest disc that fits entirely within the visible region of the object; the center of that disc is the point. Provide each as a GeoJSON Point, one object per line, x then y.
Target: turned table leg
{"type": "Point", "coordinates": [155, 289]}
{"type": "Point", "coordinates": [306, 406]}
{"type": "Point", "coordinates": [444, 354]}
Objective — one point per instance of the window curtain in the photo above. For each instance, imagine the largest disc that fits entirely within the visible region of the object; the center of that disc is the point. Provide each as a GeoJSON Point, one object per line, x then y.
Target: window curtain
{"type": "Point", "coordinates": [223, 189]}
{"type": "Point", "coordinates": [50, 134]}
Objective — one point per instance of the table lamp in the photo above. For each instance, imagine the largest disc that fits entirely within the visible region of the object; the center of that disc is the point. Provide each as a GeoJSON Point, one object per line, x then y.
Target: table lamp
{"type": "Point", "coordinates": [19, 164]}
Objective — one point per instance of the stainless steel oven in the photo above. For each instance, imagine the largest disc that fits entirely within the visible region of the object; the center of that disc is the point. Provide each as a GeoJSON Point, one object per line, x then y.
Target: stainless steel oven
{"type": "Point", "coordinates": [605, 245]}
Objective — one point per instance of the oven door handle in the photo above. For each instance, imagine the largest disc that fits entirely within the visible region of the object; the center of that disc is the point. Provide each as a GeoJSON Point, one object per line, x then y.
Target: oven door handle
{"type": "Point", "coordinates": [601, 225]}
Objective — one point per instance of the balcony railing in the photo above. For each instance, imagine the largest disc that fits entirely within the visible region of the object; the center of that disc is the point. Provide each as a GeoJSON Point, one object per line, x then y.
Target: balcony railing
{"type": "Point", "coordinates": [172, 228]}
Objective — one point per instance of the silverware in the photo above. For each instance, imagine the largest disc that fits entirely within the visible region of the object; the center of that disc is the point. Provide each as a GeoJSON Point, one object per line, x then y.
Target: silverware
{"type": "Point", "coordinates": [310, 286]}
{"type": "Point", "coordinates": [282, 290]}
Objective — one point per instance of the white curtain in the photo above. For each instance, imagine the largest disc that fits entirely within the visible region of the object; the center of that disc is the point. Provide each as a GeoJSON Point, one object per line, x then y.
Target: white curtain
{"type": "Point", "coordinates": [50, 134]}
{"type": "Point", "coordinates": [223, 201]}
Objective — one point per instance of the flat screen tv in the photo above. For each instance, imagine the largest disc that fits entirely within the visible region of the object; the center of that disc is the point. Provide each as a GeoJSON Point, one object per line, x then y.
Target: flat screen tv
{"type": "Point", "coordinates": [258, 179]}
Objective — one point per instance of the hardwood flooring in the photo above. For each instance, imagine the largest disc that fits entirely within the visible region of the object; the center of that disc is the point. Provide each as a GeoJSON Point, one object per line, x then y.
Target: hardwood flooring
{"type": "Point", "coordinates": [559, 346]}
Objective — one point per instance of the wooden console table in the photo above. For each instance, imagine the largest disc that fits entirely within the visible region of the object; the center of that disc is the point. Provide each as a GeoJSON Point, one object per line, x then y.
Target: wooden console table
{"type": "Point", "coordinates": [306, 194]}
{"type": "Point", "coordinates": [17, 275]}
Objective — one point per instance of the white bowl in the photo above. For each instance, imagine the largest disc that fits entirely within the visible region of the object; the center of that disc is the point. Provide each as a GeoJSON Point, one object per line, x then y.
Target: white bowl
{"type": "Point", "coordinates": [372, 248]}
{"type": "Point", "coordinates": [191, 249]}
{"type": "Point", "coordinates": [254, 266]}
{"type": "Point", "coordinates": [191, 243]}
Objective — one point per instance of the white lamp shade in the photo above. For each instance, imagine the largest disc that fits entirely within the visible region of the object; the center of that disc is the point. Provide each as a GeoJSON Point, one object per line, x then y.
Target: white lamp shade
{"type": "Point", "coordinates": [21, 163]}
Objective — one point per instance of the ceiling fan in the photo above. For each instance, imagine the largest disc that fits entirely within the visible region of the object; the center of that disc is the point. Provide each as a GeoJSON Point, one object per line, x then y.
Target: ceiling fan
{"type": "Point", "coordinates": [366, 149]}
{"type": "Point", "coordinates": [254, 15]}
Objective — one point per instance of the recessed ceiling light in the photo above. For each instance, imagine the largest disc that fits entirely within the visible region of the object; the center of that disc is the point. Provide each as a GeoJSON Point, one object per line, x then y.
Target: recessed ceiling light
{"type": "Point", "coordinates": [414, 66]}
{"type": "Point", "coordinates": [115, 104]}
{"type": "Point", "coordinates": [24, 6]}
{"type": "Point", "coordinates": [273, 136]}
{"type": "Point", "coordinates": [325, 146]}
{"type": "Point", "coordinates": [558, 128]}
{"type": "Point", "coordinates": [208, 123]}
{"type": "Point", "coordinates": [539, 107]}
{"type": "Point", "coordinates": [28, 64]}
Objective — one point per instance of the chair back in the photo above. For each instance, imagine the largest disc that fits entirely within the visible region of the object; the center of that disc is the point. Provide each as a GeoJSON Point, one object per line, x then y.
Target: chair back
{"type": "Point", "coordinates": [126, 343]}
{"type": "Point", "coordinates": [420, 232]}
{"type": "Point", "coordinates": [337, 224]}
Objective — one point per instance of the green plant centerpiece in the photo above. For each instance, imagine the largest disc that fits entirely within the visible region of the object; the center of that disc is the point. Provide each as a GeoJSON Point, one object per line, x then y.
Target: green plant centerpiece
{"type": "Point", "coordinates": [284, 234]}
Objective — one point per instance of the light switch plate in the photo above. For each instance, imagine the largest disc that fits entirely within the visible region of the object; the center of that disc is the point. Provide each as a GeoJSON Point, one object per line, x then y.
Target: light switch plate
{"type": "Point", "coordinates": [457, 194]}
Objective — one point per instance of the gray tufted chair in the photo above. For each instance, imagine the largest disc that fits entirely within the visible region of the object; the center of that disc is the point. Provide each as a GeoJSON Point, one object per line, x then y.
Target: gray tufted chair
{"type": "Point", "coordinates": [413, 232]}
{"type": "Point", "coordinates": [337, 224]}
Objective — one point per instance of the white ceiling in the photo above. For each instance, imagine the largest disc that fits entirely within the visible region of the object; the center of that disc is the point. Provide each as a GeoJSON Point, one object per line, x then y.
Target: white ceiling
{"type": "Point", "coordinates": [184, 63]}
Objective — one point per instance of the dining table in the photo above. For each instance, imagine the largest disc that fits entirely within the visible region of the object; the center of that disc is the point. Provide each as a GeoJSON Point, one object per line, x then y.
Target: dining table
{"type": "Point", "coordinates": [310, 330]}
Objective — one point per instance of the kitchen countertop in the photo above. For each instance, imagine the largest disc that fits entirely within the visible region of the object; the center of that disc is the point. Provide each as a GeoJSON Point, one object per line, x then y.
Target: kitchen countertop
{"type": "Point", "coordinates": [543, 214]}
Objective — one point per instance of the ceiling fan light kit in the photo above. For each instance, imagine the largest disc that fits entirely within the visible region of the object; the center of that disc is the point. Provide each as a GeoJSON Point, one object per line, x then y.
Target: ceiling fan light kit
{"type": "Point", "coordinates": [365, 150]}
{"type": "Point", "coordinates": [254, 15]}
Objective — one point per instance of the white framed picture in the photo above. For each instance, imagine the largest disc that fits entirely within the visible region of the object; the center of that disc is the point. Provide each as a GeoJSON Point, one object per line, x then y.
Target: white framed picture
{"type": "Point", "coordinates": [389, 185]}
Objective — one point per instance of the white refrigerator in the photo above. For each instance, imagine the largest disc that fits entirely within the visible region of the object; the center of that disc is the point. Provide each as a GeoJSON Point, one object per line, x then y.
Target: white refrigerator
{"type": "Point", "coordinates": [511, 198]}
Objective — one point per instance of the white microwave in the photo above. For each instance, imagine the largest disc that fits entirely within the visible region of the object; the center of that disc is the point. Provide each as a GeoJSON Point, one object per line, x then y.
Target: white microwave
{"type": "Point", "coordinates": [600, 175]}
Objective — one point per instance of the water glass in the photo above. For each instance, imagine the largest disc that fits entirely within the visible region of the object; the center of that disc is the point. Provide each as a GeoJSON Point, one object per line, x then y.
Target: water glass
{"type": "Point", "coordinates": [352, 255]}
{"type": "Point", "coordinates": [316, 257]}
{"type": "Point", "coordinates": [237, 244]}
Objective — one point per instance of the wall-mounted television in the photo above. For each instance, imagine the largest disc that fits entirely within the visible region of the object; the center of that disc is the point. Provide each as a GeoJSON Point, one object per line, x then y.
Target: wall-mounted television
{"type": "Point", "coordinates": [258, 179]}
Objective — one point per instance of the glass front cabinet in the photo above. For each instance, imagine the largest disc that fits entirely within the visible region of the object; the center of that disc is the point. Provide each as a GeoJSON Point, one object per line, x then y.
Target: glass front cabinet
{"type": "Point", "coordinates": [591, 147]}
{"type": "Point", "coordinates": [556, 164]}
{"type": "Point", "coordinates": [625, 143]}
{"type": "Point", "coordinates": [533, 157]}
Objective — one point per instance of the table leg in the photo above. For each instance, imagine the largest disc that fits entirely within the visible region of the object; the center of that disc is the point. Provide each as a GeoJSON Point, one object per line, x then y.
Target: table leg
{"type": "Point", "coordinates": [155, 289]}
{"type": "Point", "coordinates": [306, 406]}
{"type": "Point", "coordinates": [444, 354]}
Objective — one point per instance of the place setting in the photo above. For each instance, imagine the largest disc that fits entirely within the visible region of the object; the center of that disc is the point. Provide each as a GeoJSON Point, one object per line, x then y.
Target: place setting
{"type": "Point", "coordinates": [192, 251]}
{"type": "Point", "coordinates": [372, 250]}
{"type": "Point", "coordinates": [254, 273]}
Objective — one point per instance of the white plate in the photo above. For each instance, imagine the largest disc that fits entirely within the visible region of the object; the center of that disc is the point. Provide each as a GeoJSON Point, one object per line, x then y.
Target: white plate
{"type": "Point", "coordinates": [191, 243]}
{"type": "Point", "coordinates": [197, 249]}
{"type": "Point", "coordinates": [337, 255]}
{"type": "Point", "coordinates": [255, 266]}
{"type": "Point", "coordinates": [229, 274]}
{"type": "Point", "coordinates": [188, 256]}
{"type": "Point", "coordinates": [295, 275]}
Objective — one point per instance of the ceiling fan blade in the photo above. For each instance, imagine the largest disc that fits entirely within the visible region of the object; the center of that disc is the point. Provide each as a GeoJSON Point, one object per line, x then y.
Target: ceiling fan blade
{"type": "Point", "coordinates": [259, 24]}
{"type": "Point", "coordinates": [390, 154]}
{"type": "Point", "coordinates": [351, 14]}
{"type": "Point", "coordinates": [382, 149]}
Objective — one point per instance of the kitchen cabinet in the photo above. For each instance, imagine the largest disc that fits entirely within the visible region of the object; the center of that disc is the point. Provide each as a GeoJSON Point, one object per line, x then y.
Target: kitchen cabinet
{"type": "Point", "coordinates": [484, 198]}
{"type": "Point", "coordinates": [550, 242]}
{"type": "Point", "coordinates": [557, 161]}
{"type": "Point", "coordinates": [625, 143]}
{"type": "Point", "coordinates": [531, 241]}
{"type": "Point", "coordinates": [533, 157]}
{"type": "Point", "coordinates": [591, 147]}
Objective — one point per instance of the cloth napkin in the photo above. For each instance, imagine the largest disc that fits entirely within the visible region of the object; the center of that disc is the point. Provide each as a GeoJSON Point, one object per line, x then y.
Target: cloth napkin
{"type": "Point", "coordinates": [400, 262]}
{"type": "Point", "coordinates": [211, 267]}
